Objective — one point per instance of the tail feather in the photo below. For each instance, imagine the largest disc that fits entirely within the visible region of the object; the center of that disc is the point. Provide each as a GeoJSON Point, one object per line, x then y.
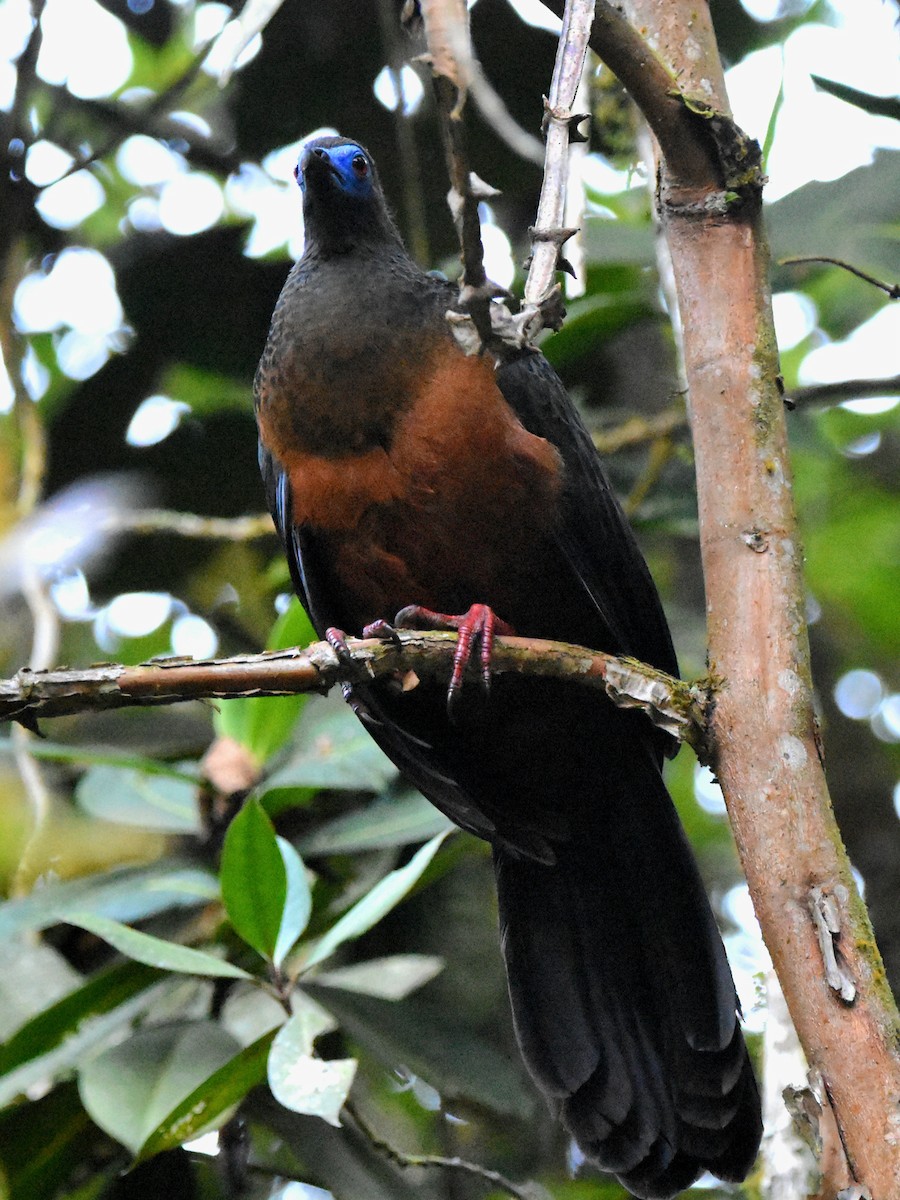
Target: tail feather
{"type": "Point", "coordinates": [735, 1162]}
{"type": "Point", "coordinates": [622, 998]}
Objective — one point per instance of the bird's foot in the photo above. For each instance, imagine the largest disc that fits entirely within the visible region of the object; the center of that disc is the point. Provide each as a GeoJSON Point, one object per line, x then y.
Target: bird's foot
{"type": "Point", "coordinates": [337, 640]}
{"type": "Point", "coordinates": [383, 630]}
{"type": "Point", "coordinates": [478, 627]}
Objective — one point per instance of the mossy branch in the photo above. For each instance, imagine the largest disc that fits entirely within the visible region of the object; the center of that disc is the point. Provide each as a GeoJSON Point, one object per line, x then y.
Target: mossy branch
{"type": "Point", "coordinates": [29, 696]}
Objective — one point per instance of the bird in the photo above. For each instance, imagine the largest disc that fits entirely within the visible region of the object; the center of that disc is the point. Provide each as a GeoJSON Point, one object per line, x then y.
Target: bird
{"type": "Point", "coordinates": [405, 476]}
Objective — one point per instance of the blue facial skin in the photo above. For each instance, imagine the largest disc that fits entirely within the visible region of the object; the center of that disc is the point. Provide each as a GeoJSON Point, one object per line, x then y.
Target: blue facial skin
{"type": "Point", "coordinates": [349, 164]}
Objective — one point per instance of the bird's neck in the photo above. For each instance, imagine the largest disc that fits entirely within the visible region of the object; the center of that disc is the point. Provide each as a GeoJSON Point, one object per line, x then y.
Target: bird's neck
{"type": "Point", "coordinates": [351, 329]}
{"type": "Point", "coordinates": [332, 231]}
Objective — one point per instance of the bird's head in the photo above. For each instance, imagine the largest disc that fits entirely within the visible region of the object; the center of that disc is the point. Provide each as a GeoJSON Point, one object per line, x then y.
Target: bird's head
{"type": "Point", "coordinates": [343, 204]}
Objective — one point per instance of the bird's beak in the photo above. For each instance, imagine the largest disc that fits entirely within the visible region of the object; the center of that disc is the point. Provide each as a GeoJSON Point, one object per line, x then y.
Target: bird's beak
{"type": "Point", "coordinates": [316, 163]}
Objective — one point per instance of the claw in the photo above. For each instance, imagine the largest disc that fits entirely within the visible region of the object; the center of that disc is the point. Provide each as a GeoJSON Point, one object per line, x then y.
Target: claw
{"type": "Point", "coordinates": [479, 625]}
{"type": "Point", "coordinates": [337, 640]}
{"type": "Point", "coordinates": [384, 630]}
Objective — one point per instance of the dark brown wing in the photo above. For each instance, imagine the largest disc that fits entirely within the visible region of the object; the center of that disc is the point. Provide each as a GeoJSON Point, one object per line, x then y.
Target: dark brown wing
{"type": "Point", "coordinates": [593, 534]}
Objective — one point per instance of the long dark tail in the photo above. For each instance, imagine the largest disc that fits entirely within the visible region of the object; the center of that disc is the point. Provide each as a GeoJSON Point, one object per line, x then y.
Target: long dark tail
{"type": "Point", "coordinates": [622, 998]}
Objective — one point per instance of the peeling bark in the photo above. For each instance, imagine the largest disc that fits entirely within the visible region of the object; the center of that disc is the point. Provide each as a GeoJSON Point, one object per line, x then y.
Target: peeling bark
{"type": "Point", "coordinates": [672, 704]}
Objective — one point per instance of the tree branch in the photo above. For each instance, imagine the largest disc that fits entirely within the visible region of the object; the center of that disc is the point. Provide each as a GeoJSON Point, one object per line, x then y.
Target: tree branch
{"type": "Point", "coordinates": [638, 430]}
{"type": "Point", "coordinates": [842, 390]}
{"type": "Point", "coordinates": [767, 752]}
{"type": "Point", "coordinates": [561, 126]}
{"type": "Point", "coordinates": [483, 323]}
{"type": "Point", "coordinates": [672, 704]}
{"type": "Point", "coordinates": [189, 525]}
{"type": "Point", "coordinates": [446, 25]}
{"type": "Point", "coordinates": [471, 80]}
{"type": "Point", "coordinates": [494, 1178]}
{"type": "Point", "coordinates": [150, 119]}
{"type": "Point", "coordinates": [892, 289]}
{"type": "Point", "coordinates": [656, 89]}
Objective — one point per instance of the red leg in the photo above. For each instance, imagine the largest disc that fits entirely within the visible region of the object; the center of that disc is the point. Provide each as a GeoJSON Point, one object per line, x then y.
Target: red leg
{"type": "Point", "coordinates": [479, 625]}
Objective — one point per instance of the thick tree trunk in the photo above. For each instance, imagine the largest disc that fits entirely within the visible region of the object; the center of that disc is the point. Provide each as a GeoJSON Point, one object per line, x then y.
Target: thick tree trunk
{"type": "Point", "coordinates": [767, 757]}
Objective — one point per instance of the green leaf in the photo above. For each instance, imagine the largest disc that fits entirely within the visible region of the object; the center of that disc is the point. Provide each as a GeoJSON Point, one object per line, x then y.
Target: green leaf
{"type": "Point", "coordinates": [434, 1043]}
{"type": "Point", "coordinates": [332, 750]}
{"type": "Point", "coordinates": [100, 756]}
{"type": "Point", "coordinates": [772, 122]}
{"type": "Point", "coordinates": [862, 529]}
{"type": "Point", "coordinates": [297, 905]}
{"type": "Point", "coordinates": [92, 1035]}
{"type": "Point", "coordinates": [616, 242]}
{"type": "Point", "coordinates": [42, 1142]}
{"type": "Point", "coordinates": [207, 391]}
{"type": "Point", "coordinates": [301, 1081]}
{"type": "Point", "coordinates": [154, 951]}
{"type": "Point", "coordinates": [393, 820]}
{"type": "Point", "coordinates": [127, 893]}
{"type": "Point", "coordinates": [254, 878]}
{"type": "Point", "coordinates": [61, 1020]}
{"type": "Point", "coordinates": [264, 723]}
{"type": "Point", "coordinates": [392, 978]}
{"type": "Point", "coordinates": [813, 220]}
{"type": "Point", "coordinates": [129, 1089]}
{"type": "Point", "coordinates": [876, 106]}
{"type": "Point", "coordinates": [212, 1100]}
{"type": "Point", "coordinates": [596, 319]}
{"type": "Point", "coordinates": [33, 975]}
{"type": "Point", "coordinates": [130, 797]}
{"type": "Point", "coordinates": [384, 896]}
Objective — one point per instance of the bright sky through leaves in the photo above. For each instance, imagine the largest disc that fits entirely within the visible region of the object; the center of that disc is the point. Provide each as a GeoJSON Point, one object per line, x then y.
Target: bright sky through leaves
{"type": "Point", "coordinates": [74, 296]}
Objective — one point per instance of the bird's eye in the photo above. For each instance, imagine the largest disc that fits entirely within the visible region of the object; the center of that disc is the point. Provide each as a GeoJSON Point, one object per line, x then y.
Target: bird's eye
{"type": "Point", "coordinates": [297, 172]}
{"type": "Point", "coordinates": [319, 152]}
{"type": "Point", "coordinates": [360, 166]}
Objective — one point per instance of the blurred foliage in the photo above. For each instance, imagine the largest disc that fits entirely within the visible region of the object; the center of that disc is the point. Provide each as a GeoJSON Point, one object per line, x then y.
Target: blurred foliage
{"type": "Point", "coordinates": [109, 1060]}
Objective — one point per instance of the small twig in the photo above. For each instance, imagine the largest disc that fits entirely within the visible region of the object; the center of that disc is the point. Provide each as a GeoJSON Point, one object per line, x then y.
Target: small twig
{"type": "Point", "coordinates": [573, 216]}
{"type": "Point", "coordinates": [844, 389]}
{"type": "Point", "coordinates": [488, 101]}
{"type": "Point", "coordinates": [466, 193]}
{"type": "Point", "coordinates": [672, 704]}
{"type": "Point", "coordinates": [26, 69]}
{"type": "Point", "coordinates": [661, 450]}
{"type": "Point", "coordinates": [638, 430]}
{"type": "Point", "coordinates": [482, 323]}
{"type": "Point", "coordinates": [410, 170]}
{"type": "Point", "coordinates": [561, 123]}
{"type": "Point", "coordinates": [139, 120]}
{"type": "Point", "coordinates": [494, 1178]}
{"type": "Point", "coordinates": [496, 326]}
{"type": "Point", "coordinates": [44, 648]}
{"type": "Point", "coordinates": [892, 289]}
{"type": "Point", "coordinates": [684, 142]}
{"type": "Point", "coordinates": [189, 525]}
{"type": "Point", "coordinates": [446, 24]}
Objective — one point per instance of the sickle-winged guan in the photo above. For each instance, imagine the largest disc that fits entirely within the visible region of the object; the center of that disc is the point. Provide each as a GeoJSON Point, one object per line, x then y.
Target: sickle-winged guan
{"type": "Point", "coordinates": [402, 472]}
